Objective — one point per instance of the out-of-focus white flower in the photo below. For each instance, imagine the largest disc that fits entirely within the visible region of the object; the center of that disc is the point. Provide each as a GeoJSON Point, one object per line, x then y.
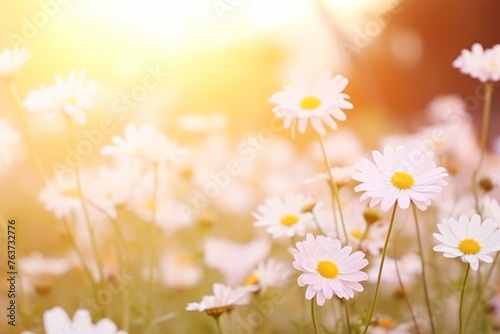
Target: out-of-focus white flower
{"type": "Point", "coordinates": [202, 123]}
{"type": "Point", "coordinates": [408, 266]}
{"type": "Point", "coordinates": [308, 101]}
{"type": "Point", "coordinates": [71, 98]}
{"type": "Point", "coordinates": [39, 271]}
{"type": "Point", "coordinates": [269, 274]}
{"type": "Point", "coordinates": [343, 148]}
{"type": "Point", "coordinates": [491, 209]}
{"type": "Point", "coordinates": [233, 259]}
{"type": "Point", "coordinates": [284, 217]}
{"type": "Point", "coordinates": [399, 177]}
{"type": "Point", "coordinates": [11, 60]}
{"type": "Point", "coordinates": [223, 300]}
{"type": "Point", "coordinates": [9, 138]}
{"type": "Point", "coordinates": [144, 142]}
{"type": "Point", "coordinates": [328, 268]}
{"type": "Point", "coordinates": [387, 325]}
{"type": "Point", "coordinates": [447, 109]}
{"type": "Point", "coordinates": [57, 321]}
{"type": "Point", "coordinates": [179, 270]}
{"type": "Point", "coordinates": [470, 240]}
{"type": "Point", "coordinates": [494, 305]}
{"type": "Point", "coordinates": [341, 175]}
{"type": "Point", "coordinates": [372, 242]}
{"type": "Point", "coordinates": [479, 63]}
{"type": "Point", "coordinates": [165, 206]}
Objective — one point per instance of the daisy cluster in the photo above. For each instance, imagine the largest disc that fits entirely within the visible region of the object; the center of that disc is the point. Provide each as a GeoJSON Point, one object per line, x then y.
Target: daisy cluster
{"type": "Point", "coordinates": [356, 230]}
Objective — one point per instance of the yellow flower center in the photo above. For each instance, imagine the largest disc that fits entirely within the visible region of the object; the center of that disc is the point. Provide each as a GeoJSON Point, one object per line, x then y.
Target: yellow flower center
{"type": "Point", "coordinates": [358, 234]}
{"type": "Point", "coordinates": [71, 101]}
{"type": "Point", "coordinates": [469, 246]}
{"type": "Point", "coordinates": [310, 102]}
{"type": "Point", "coordinates": [150, 205]}
{"type": "Point", "coordinates": [252, 280]}
{"type": "Point", "coordinates": [372, 215]}
{"type": "Point", "coordinates": [385, 322]}
{"type": "Point", "coordinates": [328, 269]}
{"type": "Point", "coordinates": [289, 220]}
{"type": "Point", "coordinates": [71, 192]}
{"type": "Point", "coordinates": [402, 180]}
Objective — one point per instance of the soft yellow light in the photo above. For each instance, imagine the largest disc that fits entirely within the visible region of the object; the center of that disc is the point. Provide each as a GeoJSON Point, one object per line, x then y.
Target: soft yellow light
{"type": "Point", "coordinates": [171, 22]}
{"type": "Point", "coordinates": [348, 4]}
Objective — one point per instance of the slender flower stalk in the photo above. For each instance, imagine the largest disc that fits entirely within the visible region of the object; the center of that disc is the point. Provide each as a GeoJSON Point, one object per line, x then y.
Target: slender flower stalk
{"type": "Point", "coordinates": [29, 141]}
{"type": "Point", "coordinates": [488, 92]}
{"type": "Point", "coordinates": [153, 250]}
{"type": "Point", "coordinates": [86, 213]}
{"type": "Point", "coordinates": [402, 286]}
{"type": "Point", "coordinates": [379, 278]}
{"type": "Point", "coordinates": [81, 257]}
{"type": "Point", "coordinates": [363, 237]}
{"type": "Point", "coordinates": [424, 280]}
{"type": "Point", "coordinates": [313, 315]}
{"type": "Point", "coordinates": [335, 193]}
{"type": "Point", "coordinates": [347, 316]}
{"type": "Point", "coordinates": [483, 286]}
{"type": "Point", "coordinates": [219, 327]}
{"type": "Point", "coordinates": [462, 295]}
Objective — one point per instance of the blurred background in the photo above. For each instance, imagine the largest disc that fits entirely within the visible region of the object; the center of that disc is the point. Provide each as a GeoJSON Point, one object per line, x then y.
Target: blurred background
{"type": "Point", "coordinates": [217, 62]}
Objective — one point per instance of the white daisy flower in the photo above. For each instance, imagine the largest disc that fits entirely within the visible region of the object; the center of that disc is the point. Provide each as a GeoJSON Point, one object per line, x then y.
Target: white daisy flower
{"type": "Point", "coordinates": [399, 177]}
{"type": "Point", "coordinates": [144, 142]}
{"type": "Point", "coordinates": [284, 217]}
{"type": "Point", "coordinates": [57, 321]}
{"type": "Point", "coordinates": [328, 268]}
{"type": "Point", "coordinates": [223, 300]}
{"type": "Point", "coordinates": [471, 240]}
{"type": "Point", "coordinates": [235, 260]}
{"type": "Point", "coordinates": [372, 241]}
{"type": "Point", "coordinates": [408, 266]}
{"type": "Point", "coordinates": [9, 138]}
{"type": "Point", "coordinates": [11, 60]}
{"type": "Point", "coordinates": [178, 269]}
{"type": "Point", "coordinates": [316, 102]}
{"type": "Point", "coordinates": [479, 63]}
{"type": "Point", "coordinates": [71, 98]}
{"type": "Point", "coordinates": [491, 209]}
{"type": "Point", "coordinates": [269, 274]}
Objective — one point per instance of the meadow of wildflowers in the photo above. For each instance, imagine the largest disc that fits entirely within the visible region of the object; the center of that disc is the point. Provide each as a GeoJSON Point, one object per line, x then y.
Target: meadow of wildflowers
{"type": "Point", "coordinates": [264, 210]}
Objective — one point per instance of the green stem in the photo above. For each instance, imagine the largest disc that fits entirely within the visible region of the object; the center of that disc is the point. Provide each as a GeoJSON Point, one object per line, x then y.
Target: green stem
{"type": "Point", "coordinates": [219, 326]}
{"type": "Point", "coordinates": [335, 193]}
{"type": "Point", "coordinates": [461, 327]}
{"type": "Point", "coordinates": [29, 141]}
{"type": "Point", "coordinates": [152, 255]}
{"type": "Point", "coordinates": [379, 278]}
{"type": "Point", "coordinates": [86, 213]}
{"type": "Point", "coordinates": [479, 295]}
{"type": "Point", "coordinates": [402, 286]}
{"type": "Point", "coordinates": [313, 315]}
{"type": "Point", "coordinates": [347, 317]}
{"type": "Point", "coordinates": [424, 281]}
{"type": "Point", "coordinates": [363, 237]}
{"type": "Point", "coordinates": [488, 92]}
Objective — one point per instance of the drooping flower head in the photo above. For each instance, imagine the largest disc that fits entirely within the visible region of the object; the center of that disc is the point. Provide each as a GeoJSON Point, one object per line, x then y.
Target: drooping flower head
{"type": "Point", "coordinates": [398, 177]}
{"type": "Point", "coordinates": [71, 97]}
{"type": "Point", "coordinates": [223, 300]}
{"type": "Point", "coordinates": [480, 64]}
{"type": "Point", "coordinates": [328, 268]}
{"type": "Point", "coordinates": [318, 102]}
{"type": "Point", "coordinates": [472, 240]}
{"type": "Point", "coordinates": [284, 217]}
{"type": "Point", "coordinates": [12, 60]}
